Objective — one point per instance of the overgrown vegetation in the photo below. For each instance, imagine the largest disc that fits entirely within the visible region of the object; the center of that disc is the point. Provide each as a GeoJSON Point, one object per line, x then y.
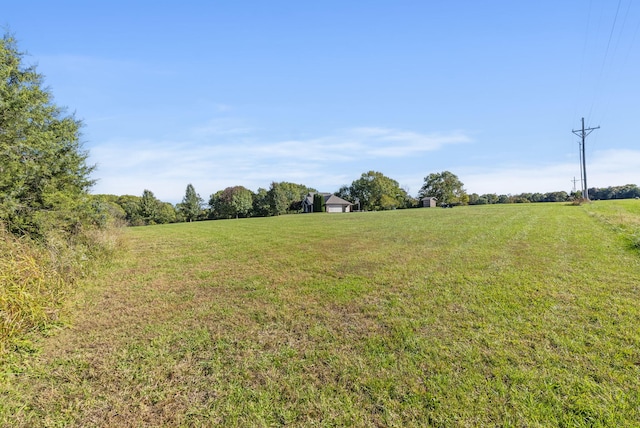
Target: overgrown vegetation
{"type": "Point", "coordinates": [501, 315]}
{"type": "Point", "coordinates": [31, 293]}
{"type": "Point", "coordinates": [49, 224]}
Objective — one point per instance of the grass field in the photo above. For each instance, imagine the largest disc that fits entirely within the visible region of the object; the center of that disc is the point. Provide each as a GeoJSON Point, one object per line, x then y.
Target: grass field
{"type": "Point", "coordinates": [505, 315]}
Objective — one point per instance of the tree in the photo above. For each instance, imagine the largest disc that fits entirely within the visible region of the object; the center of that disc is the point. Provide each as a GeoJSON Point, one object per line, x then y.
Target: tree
{"type": "Point", "coordinates": [628, 191]}
{"type": "Point", "coordinates": [110, 212]}
{"type": "Point", "coordinates": [166, 213]}
{"type": "Point", "coordinates": [491, 198]}
{"type": "Point", "coordinates": [504, 199]}
{"type": "Point", "coordinates": [318, 203]}
{"type": "Point", "coordinates": [44, 177]}
{"type": "Point", "coordinates": [260, 206]}
{"type": "Point", "coordinates": [285, 197]}
{"type": "Point", "coordinates": [560, 196]}
{"type": "Point", "coordinates": [278, 200]}
{"type": "Point", "coordinates": [216, 209]}
{"type": "Point", "coordinates": [241, 201]}
{"type": "Point", "coordinates": [131, 206]}
{"type": "Point", "coordinates": [446, 187]}
{"type": "Point", "coordinates": [538, 197]}
{"type": "Point", "coordinates": [375, 192]}
{"type": "Point", "coordinates": [149, 207]}
{"type": "Point", "coordinates": [191, 205]}
{"type": "Point", "coordinates": [152, 210]}
{"type": "Point", "coordinates": [231, 202]}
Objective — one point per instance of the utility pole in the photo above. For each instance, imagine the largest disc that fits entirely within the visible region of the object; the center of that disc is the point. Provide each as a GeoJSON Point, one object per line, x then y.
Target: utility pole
{"type": "Point", "coordinates": [574, 184]}
{"type": "Point", "coordinates": [582, 133]}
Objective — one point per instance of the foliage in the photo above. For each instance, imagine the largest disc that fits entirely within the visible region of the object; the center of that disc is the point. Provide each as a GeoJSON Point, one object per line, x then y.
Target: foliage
{"type": "Point", "coordinates": [166, 214]}
{"type": "Point", "coordinates": [261, 206]}
{"type": "Point", "coordinates": [51, 229]}
{"type": "Point", "coordinates": [318, 203]}
{"type": "Point", "coordinates": [492, 198]}
{"type": "Point", "coordinates": [149, 207]}
{"type": "Point", "coordinates": [279, 201]}
{"type": "Point", "coordinates": [231, 202]}
{"type": "Point", "coordinates": [410, 201]}
{"type": "Point", "coordinates": [375, 192]}
{"type": "Point", "coordinates": [146, 209]}
{"type": "Point", "coordinates": [191, 206]}
{"type": "Point", "coordinates": [446, 187]}
{"type": "Point", "coordinates": [285, 197]}
{"type": "Point", "coordinates": [44, 177]}
{"type": "Point", "coordinates": [628, 191]}
{"type": "Point", "coordinates": [131, 206]}
{"type": "Point", "coordinates": [37, 278]}
{"type": "Point", "coordinates": [32, 289]}
{"type": "Point", "coordinates": [560, 196]}
{"type": "Point", "coordinates": [111, 214]}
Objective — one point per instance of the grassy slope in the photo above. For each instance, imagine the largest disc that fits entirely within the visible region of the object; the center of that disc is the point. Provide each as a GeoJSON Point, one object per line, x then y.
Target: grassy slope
{"type": "Point", "coordinates": [519, 315]}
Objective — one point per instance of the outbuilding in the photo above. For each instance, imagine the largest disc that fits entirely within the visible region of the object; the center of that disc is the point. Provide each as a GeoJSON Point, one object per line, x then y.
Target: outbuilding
{"type": "Point", "coordinates": [429, 202]}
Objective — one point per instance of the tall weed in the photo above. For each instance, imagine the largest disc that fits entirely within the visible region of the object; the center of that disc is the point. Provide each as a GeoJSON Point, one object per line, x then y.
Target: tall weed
{"type": "Point", "coordinates": [36, 278]}
{"type": "Point", "coordinates": [31, 289]}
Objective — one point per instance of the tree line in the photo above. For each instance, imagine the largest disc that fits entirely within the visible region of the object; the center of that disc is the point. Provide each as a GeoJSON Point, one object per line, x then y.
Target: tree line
{"type": "Point", "coordinates": [232, 202]}
{"type": "Point", "coordinates": [372, 191]}
{"type": "Point", "coordinates": [628, 191]}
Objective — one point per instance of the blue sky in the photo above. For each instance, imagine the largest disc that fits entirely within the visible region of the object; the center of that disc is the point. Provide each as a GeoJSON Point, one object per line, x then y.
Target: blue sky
{"type": "Point", "coordinates": [222, 93]}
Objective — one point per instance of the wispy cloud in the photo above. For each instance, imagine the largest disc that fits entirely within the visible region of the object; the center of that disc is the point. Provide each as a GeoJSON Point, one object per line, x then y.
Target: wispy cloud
{"type": "Point", "coordinates": [399, 143]}
{"type": "Point", "coordinates": [220, 127]}
{"type": "Point", "coordinates": [358, 143]}
{"type": "Point", "coordinates": [225, 152]}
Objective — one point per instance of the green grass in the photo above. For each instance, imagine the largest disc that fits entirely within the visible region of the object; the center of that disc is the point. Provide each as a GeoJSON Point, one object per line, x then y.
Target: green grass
{"type": "Point", "coordinates": [507, 315]}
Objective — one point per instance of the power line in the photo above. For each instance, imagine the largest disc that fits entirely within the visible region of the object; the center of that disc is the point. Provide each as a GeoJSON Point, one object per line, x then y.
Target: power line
{"type": "Point", "coordinates": [574, 181]}
{"type": "Point", "coordinates": [582, 133]}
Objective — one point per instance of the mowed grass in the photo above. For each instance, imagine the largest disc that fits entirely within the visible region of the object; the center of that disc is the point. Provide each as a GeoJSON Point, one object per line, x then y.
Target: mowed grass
{"type": "Point", "coordinates": [507, 315]}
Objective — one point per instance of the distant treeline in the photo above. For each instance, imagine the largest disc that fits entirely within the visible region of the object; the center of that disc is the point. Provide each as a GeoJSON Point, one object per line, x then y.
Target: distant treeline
{"type": "Point", "coordinates": [286, 198]}
{"type": "Point", "coordinates": [232, 202]}
{"type": "Point", "coordinates": [628, 191]}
